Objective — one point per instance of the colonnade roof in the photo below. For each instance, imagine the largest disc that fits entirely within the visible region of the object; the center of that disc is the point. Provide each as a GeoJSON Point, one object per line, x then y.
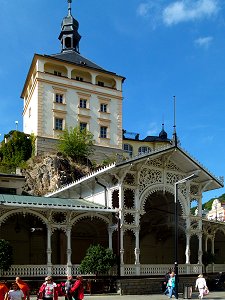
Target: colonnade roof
{"type": "Point", "coordinates": [56, 203]}
{"type": "Point", "coordinates": [187, 165]}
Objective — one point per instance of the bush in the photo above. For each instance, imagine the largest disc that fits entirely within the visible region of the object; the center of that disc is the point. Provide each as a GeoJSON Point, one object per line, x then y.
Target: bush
{"type": "Point", "coordinates": [98, 260]}
{"type": "Point", "coordinates": [76, 143]}
{"type": "Point", "coordinates": [15, 149]}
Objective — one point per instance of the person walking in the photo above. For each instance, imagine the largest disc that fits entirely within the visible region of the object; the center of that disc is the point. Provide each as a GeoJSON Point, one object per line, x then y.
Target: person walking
{"type": "Point", "coordinates": [24, 287]}
{"type": "Point", "coordinates": [201, 285]}
{"type": "Point", "coordinates": [48, 290]}
{"type": "Point", "coordinates": [171, 285]}
{"type": "Point", "coordinates": [15, 293]}
{"type": "Point", "coordinates": [68, 286]}
{"type": "Point", "coordinates": [3, 289]}
{"type": "Point", "coordinates": [77, 290]}
{"type": "Point", "coordinates": [166, 279]}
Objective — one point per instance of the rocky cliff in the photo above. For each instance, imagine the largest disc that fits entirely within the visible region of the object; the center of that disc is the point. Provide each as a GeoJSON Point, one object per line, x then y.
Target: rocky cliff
{"type": "Point", "coordinates": [48, 173]}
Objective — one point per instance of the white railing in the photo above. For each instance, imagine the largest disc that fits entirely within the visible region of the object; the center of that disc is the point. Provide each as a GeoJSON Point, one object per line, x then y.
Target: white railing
{"type": "Point", "coordinates": [127, 270]}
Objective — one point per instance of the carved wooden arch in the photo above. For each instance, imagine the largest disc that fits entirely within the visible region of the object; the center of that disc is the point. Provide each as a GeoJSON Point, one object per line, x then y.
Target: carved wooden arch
{"type": "Point", "coordinates": [160, 188]}
{"type": "Point", "coordinates": [89, 215]}
{"type": "Point", "coordinates": [219, 229]}
{"type": "Point", "coordinates": [8, 214]}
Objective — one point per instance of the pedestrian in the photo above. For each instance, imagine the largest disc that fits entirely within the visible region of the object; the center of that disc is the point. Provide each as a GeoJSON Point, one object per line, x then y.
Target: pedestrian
{"type": "Point", "coordinates": [48, 290]}
{"type": "Point", "coordinates": [3, 289]}
{"type": "Point", "coordinates": [24, 287]}
{"type": "Point", "coordinates": [171, 285]}
{"type": "Point", "coordinates": [166, 278]}
{"type": "Point", "coordinates": [201, 285]}
{"type": "Point", "coordinates": [68, 286]}
{"type": "Point", "coordinates": [77, 290]}
{"type": "Point", "coordinates": [15, 293]}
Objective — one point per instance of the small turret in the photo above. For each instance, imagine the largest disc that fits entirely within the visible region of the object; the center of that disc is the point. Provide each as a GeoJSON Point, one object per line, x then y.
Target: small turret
{"type": "Point", "coordinates": [69, 35]}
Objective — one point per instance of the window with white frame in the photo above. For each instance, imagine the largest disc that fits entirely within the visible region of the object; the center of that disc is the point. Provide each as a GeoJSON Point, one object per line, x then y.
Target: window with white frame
{"type": "Point", "coordinates": [143, 150]}
{"type": "Point", "coordinates": [83, 103]}
{"type": "Point", "coordinates": [58, 124]}
{"type": "Point", "coordinates": [83, 126]}
{"type": "Point", "coordinates": [128, 148]}
{"type": "Point", "coordinates": [58, 98]}
{"type": "Point", "coordinates": [103, 107]}
{"type": "Point", "coordinates": [103, 132]}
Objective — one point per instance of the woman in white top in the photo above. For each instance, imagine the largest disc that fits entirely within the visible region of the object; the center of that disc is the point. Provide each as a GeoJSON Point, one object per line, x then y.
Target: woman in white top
{"type": "Point", "coordinates": [15, 293]}
{"type": "Point", "coordinates": [201, 285]}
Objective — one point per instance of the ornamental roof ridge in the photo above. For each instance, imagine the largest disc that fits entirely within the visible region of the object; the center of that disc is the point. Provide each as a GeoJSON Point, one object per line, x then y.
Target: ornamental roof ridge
{"type": "Point", "coordinates": [157, 150]}
{"type": "Point", "coordinates": [219, 179]}
{"type": "Point", "coordinates": [88, 176]}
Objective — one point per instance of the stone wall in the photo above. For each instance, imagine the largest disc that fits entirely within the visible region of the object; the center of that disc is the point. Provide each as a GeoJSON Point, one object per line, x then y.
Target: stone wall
{"type": "Point", "coordinates": [145, 286]}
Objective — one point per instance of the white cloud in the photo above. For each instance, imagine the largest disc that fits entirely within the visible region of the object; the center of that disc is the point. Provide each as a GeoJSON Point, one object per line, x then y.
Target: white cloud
{"type": "Point", "coordinates": [153, 129]}
{"type": "Point", "coordinates": [143, 9]}
{"type": "Point", "coordinates": [204, 41]}
{"type": "Point", "coordinates": [189, 10]}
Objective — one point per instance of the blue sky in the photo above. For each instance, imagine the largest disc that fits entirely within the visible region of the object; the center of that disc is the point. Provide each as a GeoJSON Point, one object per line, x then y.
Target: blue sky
{"type": "Point", "coordinates": [164, 48]}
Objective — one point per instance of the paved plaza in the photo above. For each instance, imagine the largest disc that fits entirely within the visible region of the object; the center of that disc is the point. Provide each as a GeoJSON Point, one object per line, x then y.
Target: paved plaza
{"type": "Point", "coordinates": [211, 296]}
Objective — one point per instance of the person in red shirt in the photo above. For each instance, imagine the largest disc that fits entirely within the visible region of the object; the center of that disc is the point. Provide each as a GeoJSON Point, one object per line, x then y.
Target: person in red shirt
{"type": "Point", "coordinates": [24, 287]}
{"type": "Point", "coordinates": [77, 290]}
{"type": "Point", "coordinates": [3, 290]}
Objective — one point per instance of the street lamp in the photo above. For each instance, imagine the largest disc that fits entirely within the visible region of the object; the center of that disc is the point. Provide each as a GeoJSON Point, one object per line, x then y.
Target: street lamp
{"type": "Point", "coordinates": [190, 177]}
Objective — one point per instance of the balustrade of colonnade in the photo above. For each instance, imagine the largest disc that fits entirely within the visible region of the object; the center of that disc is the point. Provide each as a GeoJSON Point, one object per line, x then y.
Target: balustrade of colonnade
{"type": "Point", "coordinates": [127, 270]}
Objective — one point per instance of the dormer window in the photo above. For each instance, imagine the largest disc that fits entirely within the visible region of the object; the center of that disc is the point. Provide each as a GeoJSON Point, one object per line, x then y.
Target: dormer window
{"type": "Point", "coordinates": [101, 83]}
{"type": "Point", "coordinates": [57, 73]}
{"type": "Point", "coordinates": [79, 78]}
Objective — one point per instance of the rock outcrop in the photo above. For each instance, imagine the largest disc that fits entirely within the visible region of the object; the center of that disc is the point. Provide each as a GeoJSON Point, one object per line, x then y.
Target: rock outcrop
{"type": "Point", "coordinates": [46, 174]}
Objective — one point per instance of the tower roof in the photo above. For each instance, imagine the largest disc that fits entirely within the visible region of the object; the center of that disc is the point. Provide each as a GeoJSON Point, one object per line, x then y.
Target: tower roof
{"type": "Point", "coordinates": [69, 35]}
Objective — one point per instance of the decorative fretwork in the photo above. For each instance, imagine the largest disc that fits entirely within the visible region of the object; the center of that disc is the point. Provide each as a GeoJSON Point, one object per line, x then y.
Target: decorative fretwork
{"type": "Point", "coordinates": [129, 195]}
{"type": "Point", "coordinates": [194, 225]}
{"type": "Point", "coordinates": [129, 218]}
{"type": "Point", "coordinates": [171, 166]}
{"type": "Point", "coordinates": [129, 179]}
{"type": "Point", "coordinates": [155, 162]}
{"type": "Point", "coordinates": [59, 218]}
{"type": "Point", "coordinates": [194, 189]}
{"type": "Point", "coordinates": [149, 177]}
{"type": "Point", "coordinates": [172, 178]}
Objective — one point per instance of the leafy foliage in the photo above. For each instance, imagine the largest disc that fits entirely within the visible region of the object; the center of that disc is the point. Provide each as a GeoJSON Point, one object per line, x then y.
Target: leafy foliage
{"type": "Point", "coordinates": [98, 260]}
{"type": "Point", "coordinates": [76, 143]}
{"type": "Point", "coordinates": [6, 254]}
{"type": "Point", "coordinates": [15, 149]}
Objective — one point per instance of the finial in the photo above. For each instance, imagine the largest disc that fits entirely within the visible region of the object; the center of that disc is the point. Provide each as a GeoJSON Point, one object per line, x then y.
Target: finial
{"type": "Point", "coordinates": [174, 126]}
{"type": "Point", "coordinates": [69, 7]}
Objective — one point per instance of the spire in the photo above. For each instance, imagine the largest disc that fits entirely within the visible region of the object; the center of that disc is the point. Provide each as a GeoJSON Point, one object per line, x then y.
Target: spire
{"type": "Point", "coordinates": [69, 35]}
{"type": "Point", "coordinates": [69, 7]}
{"type": "Point", "coordinates": [163, 134]}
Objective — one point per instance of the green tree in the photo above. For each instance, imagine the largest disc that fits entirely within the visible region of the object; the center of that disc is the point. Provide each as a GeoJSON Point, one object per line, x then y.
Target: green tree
{"type": "Point", "coordinates": [98, 260]}
{"type": "Point", "coordinates": [6, 255]}
{"type": "Point", "coordinates": [15, 149]}
{"type": "Point", "coordinates": [76, 143]}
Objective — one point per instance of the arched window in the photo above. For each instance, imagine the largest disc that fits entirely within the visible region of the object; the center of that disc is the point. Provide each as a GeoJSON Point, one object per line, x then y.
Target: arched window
{"type": "Point", "coordinates": [143, 150]}
{"type": "Point", "coordinates": [128, 148]}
